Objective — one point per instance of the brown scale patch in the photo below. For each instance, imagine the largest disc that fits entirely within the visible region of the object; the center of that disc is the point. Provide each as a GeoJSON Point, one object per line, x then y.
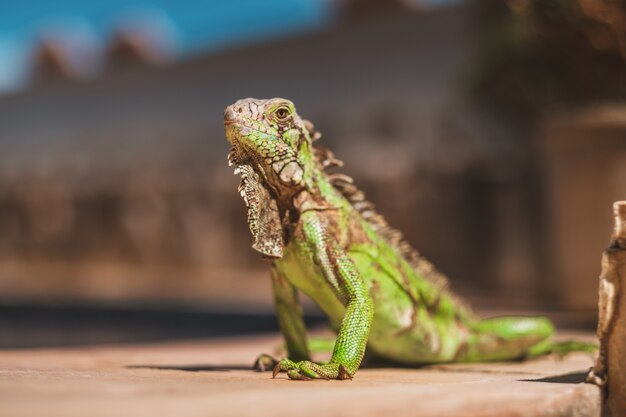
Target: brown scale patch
{"type": "Point", "coordinates": [356, 233]}
{"type": "Point", "coordinates": [374, 289]}
{"type": "Point", "coordinates": [332, 220]}
{"type": "Point", "coordinates": [463, 346]}
{"type": "Point", "coordinates": [415, 303]}
{"type": "Point", "coordinates": [431, 308]}
{"type": "Point", "coordinates": [412, 324]}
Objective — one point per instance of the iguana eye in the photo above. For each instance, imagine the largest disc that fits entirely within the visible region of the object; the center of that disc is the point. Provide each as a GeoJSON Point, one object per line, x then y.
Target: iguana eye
{"type": "Point", "coordinates": [282, 113]}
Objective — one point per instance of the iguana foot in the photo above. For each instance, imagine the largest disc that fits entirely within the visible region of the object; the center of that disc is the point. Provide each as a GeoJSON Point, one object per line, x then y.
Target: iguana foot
{"type": "Point", "coordinates": [305, 370]}
{"type": "Point", "coordinates": [264, 363]}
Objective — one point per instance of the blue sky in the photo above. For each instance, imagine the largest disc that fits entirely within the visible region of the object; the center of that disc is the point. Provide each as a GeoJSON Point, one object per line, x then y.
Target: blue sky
{"type": "Point", "coordinates": [190, 26]}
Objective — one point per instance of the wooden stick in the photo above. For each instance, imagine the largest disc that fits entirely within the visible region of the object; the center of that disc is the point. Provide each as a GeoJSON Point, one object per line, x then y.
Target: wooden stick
{"type": "Point", "coordinates": [619, 230]}
{"type": "Point", "coordinates": [609, 370]}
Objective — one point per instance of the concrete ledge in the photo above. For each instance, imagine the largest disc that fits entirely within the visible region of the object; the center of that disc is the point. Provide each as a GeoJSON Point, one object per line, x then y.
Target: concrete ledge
{"type": "Point", "coordinates": [212, 378]}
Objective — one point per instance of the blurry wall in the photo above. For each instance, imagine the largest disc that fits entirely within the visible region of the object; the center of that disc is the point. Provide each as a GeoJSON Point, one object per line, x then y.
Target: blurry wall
{"type": "Point", "coordinates": [118, 188]}
{"type": "Point", "coordinates": [584, 156]}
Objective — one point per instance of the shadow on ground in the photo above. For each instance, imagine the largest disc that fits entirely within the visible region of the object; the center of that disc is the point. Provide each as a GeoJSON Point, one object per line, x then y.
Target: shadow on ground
{"type": "Point", "coordinates": [195, 368]}
{"type": "Point", "coordinates": [569, 378]}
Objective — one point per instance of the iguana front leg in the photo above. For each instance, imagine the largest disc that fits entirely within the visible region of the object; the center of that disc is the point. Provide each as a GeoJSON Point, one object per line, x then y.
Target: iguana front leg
{"type": "Point", "coordinates": [339, 272]}
{"type": "Point", "coordinates": [290, 316]}
{"type": "Point", "coordinates": [290, 320]}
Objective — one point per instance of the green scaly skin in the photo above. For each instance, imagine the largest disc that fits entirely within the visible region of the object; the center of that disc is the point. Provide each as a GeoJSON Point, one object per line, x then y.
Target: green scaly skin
{"type": "Point", "coordinates": [322, 238]}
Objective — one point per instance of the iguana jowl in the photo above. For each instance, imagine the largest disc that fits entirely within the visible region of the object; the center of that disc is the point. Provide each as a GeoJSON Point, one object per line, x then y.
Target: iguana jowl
{"type": "Point", "coordinates": [323, 238]}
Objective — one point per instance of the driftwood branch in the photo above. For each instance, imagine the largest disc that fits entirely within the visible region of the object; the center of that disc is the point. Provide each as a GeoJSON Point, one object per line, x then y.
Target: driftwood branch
{"type": "Point", "coordinates": [610, 367]}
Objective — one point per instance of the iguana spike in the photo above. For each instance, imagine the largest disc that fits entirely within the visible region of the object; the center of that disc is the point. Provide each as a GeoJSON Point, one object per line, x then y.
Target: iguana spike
{"type": "Point", "coordinates": [326, 157]}
{"type": "Point", "coordinates": [339, 178]}
{"type": "Point", "coordinates": [363, 206]}
{"type": "Point", "coordinates": [315, 135]}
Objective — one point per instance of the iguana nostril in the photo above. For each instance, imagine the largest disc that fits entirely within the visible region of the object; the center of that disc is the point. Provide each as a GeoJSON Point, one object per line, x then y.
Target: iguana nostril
{"type": "Point", "coordinates": [229, 115]}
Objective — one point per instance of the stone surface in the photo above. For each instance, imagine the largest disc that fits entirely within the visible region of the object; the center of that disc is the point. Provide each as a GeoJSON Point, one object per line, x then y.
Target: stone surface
{"type": "Point", "coordinates": [213, 378]}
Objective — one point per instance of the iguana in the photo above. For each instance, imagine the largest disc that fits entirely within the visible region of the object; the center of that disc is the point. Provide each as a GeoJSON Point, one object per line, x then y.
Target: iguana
{"type": "Point", "coordinates": [323, 238]}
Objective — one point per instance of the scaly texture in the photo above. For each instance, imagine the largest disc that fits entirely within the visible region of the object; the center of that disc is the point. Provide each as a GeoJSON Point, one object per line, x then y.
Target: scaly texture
{"type": "Point", "coordinates": [322, 237]}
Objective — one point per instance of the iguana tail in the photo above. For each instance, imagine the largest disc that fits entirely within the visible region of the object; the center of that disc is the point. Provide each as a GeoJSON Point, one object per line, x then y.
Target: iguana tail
{"type": "Point", "coordinates": [512, 338]}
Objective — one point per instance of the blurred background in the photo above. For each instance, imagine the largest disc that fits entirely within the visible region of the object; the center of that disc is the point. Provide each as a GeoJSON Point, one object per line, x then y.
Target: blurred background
{"type": "Point", "coordinates": [493, 133]}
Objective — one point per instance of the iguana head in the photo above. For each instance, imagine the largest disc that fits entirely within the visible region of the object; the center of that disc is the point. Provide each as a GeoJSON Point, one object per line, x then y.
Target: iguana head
{"type": "Point", "coordinates": [271, 149]}
{"type": "Point", "coordinates": [269, 135]}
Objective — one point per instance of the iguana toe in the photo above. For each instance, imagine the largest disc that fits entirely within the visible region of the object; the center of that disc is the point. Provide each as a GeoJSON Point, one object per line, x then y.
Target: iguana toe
{"type": "Point", "coordinates": [284, 365]}
{"type": "Point", "coordinates": [295, 374]}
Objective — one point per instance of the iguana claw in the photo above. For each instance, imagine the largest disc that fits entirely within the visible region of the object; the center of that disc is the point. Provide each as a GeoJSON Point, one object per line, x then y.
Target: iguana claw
{"type": "Point", "coordinates": [264, 363]}
{"type": "Point", "coordinates": [344, 373]}
{"type": "Point", "coordinates": [284, 365]}
{"type": "Point", "coordinates": [276, 370]}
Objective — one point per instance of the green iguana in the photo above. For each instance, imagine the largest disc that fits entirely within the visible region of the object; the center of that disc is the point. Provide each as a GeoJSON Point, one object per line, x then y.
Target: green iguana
{"type": "Point", "coordinates": [323, 238]}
